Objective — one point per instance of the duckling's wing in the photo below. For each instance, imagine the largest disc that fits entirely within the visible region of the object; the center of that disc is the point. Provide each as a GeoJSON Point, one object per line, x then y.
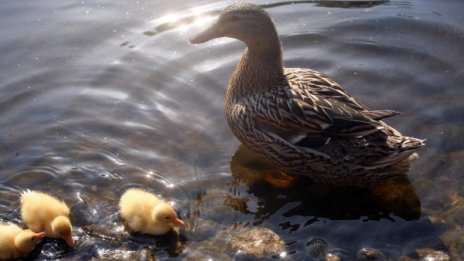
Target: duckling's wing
{"type": "Point", "coordinates": [308, 103]}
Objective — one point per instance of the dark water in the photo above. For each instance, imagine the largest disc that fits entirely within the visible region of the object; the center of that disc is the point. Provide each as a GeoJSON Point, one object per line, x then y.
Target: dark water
{"type": "Point", "coordinates": [100, 96]}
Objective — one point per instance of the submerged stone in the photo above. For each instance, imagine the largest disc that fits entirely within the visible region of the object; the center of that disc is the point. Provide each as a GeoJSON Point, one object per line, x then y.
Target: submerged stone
{"type": "Point", "coordinates": [428, 254]}
{"type": "Point", "coordinates": [332, 257]}
{"type": "Point", "coordinates": [257, 242]}
{"type": "Point", "coordinates": [317, 248]}
{"type": "Point", "coordinates": [143, 254]}
{"type": "Point", "coordinates": [370, 254]}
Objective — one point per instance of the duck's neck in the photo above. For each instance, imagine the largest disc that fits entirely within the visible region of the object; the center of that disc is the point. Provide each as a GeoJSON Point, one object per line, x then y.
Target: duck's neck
{"type": "Point", "coordinates": [259, 70]}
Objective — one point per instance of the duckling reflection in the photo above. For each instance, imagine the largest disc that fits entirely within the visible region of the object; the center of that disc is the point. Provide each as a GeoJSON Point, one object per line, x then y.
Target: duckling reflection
{"type": "Point", "coordinates": [275, 188]}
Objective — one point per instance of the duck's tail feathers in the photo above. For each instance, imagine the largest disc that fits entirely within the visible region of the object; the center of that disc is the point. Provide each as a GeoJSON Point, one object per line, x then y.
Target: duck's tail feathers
{"type": "Point", "coordinates": [381, 114]}
{"type": "Point", "coordinates": [410, 143]}
{"type": "Point", "coordinates": [403, 148]}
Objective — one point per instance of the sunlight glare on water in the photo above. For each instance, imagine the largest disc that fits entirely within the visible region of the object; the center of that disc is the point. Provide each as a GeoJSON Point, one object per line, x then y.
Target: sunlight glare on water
{"type": "Point", "coordinates": [99, 98]}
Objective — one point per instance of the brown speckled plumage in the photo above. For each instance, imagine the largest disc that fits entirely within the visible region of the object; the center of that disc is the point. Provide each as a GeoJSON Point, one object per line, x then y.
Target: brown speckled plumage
{"type": "Point", "coordinates": [301, 119]}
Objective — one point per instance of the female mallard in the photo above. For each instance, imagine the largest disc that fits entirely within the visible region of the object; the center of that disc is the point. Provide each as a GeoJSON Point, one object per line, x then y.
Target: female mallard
{"type": "Point", "coordinates": [301, 119]}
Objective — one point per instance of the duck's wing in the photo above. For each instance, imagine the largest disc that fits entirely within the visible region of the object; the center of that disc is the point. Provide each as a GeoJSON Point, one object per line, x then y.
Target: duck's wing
{"type": "Point", "coordinates": [322, 85]}
{"type": "Point", "coordinates": [308, 103]}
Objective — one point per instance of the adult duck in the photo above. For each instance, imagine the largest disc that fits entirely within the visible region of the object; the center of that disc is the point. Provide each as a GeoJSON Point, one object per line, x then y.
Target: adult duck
{"type": "Point", "coordinates": [301, 119]}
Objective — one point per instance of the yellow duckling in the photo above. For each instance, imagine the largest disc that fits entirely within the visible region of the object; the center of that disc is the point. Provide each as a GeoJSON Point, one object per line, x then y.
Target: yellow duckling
{"type": "Point", "coordinates": [42, 212]}
{"type": "Point", "coordinates": [144, 212]}
{"type": "Point", "coordinates": [16, 242]}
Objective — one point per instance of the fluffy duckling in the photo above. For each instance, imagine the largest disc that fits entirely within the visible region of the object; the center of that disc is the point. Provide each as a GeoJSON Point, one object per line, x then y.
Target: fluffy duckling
{"type": "Point", "coordinates": [42, 212]}
{"type": "Point", "coordinates": [16, 242]}
{"type": "Point", "coordinates": [144, 212]}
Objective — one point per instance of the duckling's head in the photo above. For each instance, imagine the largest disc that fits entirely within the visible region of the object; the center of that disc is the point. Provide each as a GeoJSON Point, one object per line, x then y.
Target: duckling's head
{"type": "Point", "coordinates": [26, 240]}
{"type": "Point", "coordinates": [246, 22]}
{"type": "Point", "coordinates": [62, 228]}
{"type": "Point", "coordinates": [164, 214]}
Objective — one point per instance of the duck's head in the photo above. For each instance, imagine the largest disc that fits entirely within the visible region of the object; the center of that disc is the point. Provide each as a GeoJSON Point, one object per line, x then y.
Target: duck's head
{"type": "Point", "coordinates": [164, 214]}
{"type": "Point", "coordinates": [62, 228]}
{"type": "Point", "coordinates": [246, 22]}
{"type": "Point", "coordinates": [26, 241]}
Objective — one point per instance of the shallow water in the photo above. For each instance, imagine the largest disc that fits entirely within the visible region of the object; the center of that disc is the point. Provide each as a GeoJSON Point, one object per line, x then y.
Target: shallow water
{"type": "Point", "coordinates": [97, 97]}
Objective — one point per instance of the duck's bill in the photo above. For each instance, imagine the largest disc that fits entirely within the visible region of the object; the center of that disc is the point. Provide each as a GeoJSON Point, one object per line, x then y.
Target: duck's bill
{"type": "Point", "coordinates": [213, 32]}
{"type": "Point", "coordinates": [178, 222]}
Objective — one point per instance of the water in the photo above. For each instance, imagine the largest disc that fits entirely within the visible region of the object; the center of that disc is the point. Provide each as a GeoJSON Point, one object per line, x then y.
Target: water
{"type": "Point", "coordinates": [97, 97]}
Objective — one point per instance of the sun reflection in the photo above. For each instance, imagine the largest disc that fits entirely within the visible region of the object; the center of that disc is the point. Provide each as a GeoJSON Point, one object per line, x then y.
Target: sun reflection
{"type": "Point", "coordinates": [79, 197]}
{"type": "Point", "coordinates": [202, 20]}
{"type": "Point", "coordinates": [171, 18]}
{"type": "Point", "coordinates": [149, 174]}
{"type": "Point", "coordinates": [167, 184]}
{"type": "Point", "coordinates": [183, 27]}
{"type": "Point", "coordinates": [183, 21]}
{"type": "Point", "coordinates": [118, 228]}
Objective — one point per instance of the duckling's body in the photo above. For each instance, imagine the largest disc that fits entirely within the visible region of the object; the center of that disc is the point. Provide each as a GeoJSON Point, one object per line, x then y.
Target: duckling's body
{"type": "Point", "coordinates": [43, 212]}
{"type": "Point", "coordinates": [16, 242]}
{"type": "Point", "coordinates": [299, 118]}
{"type": "Point", "coordinates": [144, 212]}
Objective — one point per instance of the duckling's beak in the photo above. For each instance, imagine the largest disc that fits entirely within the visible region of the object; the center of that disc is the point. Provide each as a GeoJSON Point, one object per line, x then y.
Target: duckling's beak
{"type": "Point", "coordinates": [70, 241]}
{"type": "Point", "coordinates": [40, 235]}
{"type": "Point", "coordinates": [178, 222]}
{"type": "Point", "coordinates": [215, 31]}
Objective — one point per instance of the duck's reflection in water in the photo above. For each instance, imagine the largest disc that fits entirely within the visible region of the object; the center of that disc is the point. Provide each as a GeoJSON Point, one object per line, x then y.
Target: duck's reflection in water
{"type": "Point", "coordinates": [394, 197]}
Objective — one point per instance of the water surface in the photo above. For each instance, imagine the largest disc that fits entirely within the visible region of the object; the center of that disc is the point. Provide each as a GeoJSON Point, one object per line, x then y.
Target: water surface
{"type": "Point", "coordinates": [97, 97]}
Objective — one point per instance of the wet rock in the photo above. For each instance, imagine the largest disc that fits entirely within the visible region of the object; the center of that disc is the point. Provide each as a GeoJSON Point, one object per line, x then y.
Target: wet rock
{"type": "Point", "coordinates": [143, 254]}
{"type": "Point", "coordinates": [428, 254]}
{"type": "Point", "coordinates": [317, 248]}
{"type": "Point", "coordinates": [332, 257]}
{"type": "Point", "coordinates": [370, 254]}
{"type": "Point", "coordinates": [257, 242]}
